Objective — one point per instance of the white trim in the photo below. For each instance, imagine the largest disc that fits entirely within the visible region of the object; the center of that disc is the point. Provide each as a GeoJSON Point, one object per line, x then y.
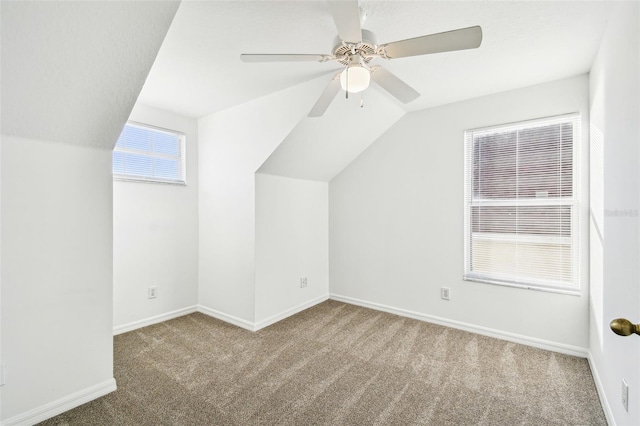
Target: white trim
{"type": "Point", "coordinates": [255, 326]}
{"type": "Point", "coordinates": [527, 124]}
{"type": "Point", "coordinates": [142, 125]}
{"type": "Point", "coordinates": [154, 320]}
{"type": "Point", "coordinates": [485, 331]}
{"type": "Point", "coordinates": [604, 402]}
{"type": "Point", "coordinates": [479, 278]}
{"type": "Point", "coordinates": [242, 323]}
{"type": "Point", "coordinates": [289, 312]}
{"type": "Point", "coordinates": [247, 325]}
{"type": "Point", "coordinates": [142, 179]}
{"type": "Point", "coordinates": [67, 403]}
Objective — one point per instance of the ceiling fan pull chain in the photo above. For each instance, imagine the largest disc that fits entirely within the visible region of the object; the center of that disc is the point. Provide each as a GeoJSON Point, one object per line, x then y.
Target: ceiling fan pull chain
{"type": "Point", "coordinates": [346, 92]}
{"type": "Point", "coordinates": [361, 99]}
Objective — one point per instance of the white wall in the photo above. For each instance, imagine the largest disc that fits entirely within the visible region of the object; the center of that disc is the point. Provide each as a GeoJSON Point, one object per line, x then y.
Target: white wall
{"type": "Point", "coordinates": [292, 241]}
{"type": "Point", "coordinates": [1, 316]}
{"type": "Point", "coordinates": [615, 239]}
{"type": "Point", "coordinates": [232, 145]}
{"type": "Point", "coordinates": [155, 236]}
{"type": "Point", "coordinates": [56, 273]}
{"type": "Point", "coordinates": [396, 222]}
{"type": "Point", "coordinates": [71, 72]}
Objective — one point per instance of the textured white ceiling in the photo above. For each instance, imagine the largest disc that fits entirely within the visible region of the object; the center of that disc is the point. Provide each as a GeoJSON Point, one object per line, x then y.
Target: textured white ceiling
{"type": "Point", "coordinates": [71, 71]}
{"type": "Point", "coordinates": [198, 70]}
{"type": "Point", "coordinates": [317, 149]}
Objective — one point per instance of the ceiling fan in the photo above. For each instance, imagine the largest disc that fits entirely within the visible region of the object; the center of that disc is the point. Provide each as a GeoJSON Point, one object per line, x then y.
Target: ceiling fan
{"type": "Point", "coordinates": [355, 48]}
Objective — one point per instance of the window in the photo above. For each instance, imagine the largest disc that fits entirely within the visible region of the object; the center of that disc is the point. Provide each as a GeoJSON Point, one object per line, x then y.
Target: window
{"type": "Point", "coordinates": [145, 153]}
{"type": "Point", "coordinates": [521, 204]}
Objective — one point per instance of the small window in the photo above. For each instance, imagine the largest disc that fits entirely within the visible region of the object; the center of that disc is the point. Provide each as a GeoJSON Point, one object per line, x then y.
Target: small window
{"type": "Point", "coordinates": [521, 204]}
{"type": "Point", "coordinates": [149, 154]}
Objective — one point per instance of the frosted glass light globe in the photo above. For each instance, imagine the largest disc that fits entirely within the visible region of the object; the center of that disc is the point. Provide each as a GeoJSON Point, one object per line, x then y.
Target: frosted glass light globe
{"type": "Point", "coordinates": [359, 78]}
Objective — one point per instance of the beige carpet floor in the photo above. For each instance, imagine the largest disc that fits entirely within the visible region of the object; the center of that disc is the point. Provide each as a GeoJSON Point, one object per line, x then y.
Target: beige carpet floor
{"type": "Point", "coordinates": [336, 364]}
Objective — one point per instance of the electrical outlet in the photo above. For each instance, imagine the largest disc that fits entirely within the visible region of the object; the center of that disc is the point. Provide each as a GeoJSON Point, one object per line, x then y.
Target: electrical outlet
{"type": "Point", "coordinates": [152, 293]}
{"type": "Point", "coordinates": [625, 395]}
{"type": "Point", "coordinates": [303, 282]}
{"type": "Point", "coordinates": [444, 293]}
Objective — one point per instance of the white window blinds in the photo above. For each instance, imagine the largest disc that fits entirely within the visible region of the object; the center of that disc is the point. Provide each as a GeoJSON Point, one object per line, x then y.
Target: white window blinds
{"type": "Point", "coordinates": [147, 153]}
{"type": "Point", "coordinates": [521, 204]}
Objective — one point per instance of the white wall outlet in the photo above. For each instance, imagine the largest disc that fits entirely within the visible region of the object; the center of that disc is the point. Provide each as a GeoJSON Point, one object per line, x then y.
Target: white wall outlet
{"type": "Point", "coordinates": [152, 292]}
{"type": "Point", "coordinates": [444, 293]}
{"type": "Point", "coordinates": [303, 282]}
{"type": "Point", "coordinates": [625, 395]}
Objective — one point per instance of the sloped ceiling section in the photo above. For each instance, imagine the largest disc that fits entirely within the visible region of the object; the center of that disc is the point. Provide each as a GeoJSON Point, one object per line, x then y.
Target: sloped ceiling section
{"type": "Point", "coordinates": [524, 43]}
{"type": "Point", "coordinates": [319, 148]}
{"type": "Point", "coordinates": [72, 71]}
{"type": "Point", "coordinates": [199, 71]}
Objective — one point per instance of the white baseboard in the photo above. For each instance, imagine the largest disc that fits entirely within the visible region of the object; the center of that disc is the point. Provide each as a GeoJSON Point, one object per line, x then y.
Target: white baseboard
{"type": "Point", "coordinates": [242, 323]}
{"type": "Point", "coordinates": [154, 320]}
{"type": "Point", "coordinates": [603, 397]}
{"type": "Point", "coordinates": [288, 312]}
{"type": "Point", "coordinates": [54, 408]}
{"type": "Point", "coordinates": [255, 326]}
{"type": "Point", "coordinates": [485, 331]}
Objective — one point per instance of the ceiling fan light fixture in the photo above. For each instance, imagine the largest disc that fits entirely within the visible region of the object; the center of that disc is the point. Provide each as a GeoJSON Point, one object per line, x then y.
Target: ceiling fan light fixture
{"type": "Point", "coordinates": [355, 47]}
{"type": "Point", "coordinates": [358, 77]}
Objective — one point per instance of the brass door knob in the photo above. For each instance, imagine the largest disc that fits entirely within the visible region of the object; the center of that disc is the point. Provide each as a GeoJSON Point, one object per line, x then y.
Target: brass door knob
{"type": "Point", "coordinates": [624, 327]}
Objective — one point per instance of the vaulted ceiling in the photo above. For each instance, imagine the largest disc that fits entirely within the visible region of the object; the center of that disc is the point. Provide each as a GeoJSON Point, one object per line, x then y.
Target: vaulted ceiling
{"type": "Point", "coordinates": [63, 63]}
{"type": "Point", "coordinates": [198, 70]}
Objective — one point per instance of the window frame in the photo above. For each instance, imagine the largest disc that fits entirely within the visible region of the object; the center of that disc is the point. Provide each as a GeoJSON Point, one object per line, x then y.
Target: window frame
{"type": "Point", "coordinates": [573, 202]}
{"type": "Point", "coordinates": [181, 158]}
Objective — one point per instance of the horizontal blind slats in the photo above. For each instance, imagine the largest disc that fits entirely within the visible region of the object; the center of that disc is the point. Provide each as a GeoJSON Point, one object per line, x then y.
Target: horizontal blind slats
{"type": "Point", "coordinates": [520, 215]}
{"type": "Point", "coordinates": [151, 154]}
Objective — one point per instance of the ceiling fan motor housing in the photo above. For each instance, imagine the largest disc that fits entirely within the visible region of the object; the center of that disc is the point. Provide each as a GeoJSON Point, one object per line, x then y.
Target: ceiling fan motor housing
{"type": "Point", "coordinates": [366, 48]}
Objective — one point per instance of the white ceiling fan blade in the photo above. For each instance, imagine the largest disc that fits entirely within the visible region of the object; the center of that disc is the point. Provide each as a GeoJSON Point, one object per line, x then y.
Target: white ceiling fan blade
{"type": "Point", "coordinates": [326, 98]}
{"type": "Point", "coordinates": [464, 38]}
{"type": "Point", "coordinates": [392, 84]}
{"type": "Point", "coordinates": [346, 16]}
{"type": "Point", "coordinates": [259, 57]}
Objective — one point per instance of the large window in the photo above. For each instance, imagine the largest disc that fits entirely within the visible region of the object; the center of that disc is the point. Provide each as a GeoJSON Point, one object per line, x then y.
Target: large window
{"type": "Point", "coordinates": [521, 204]}
{"type": "Point", "coordinates": [145, 153]}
